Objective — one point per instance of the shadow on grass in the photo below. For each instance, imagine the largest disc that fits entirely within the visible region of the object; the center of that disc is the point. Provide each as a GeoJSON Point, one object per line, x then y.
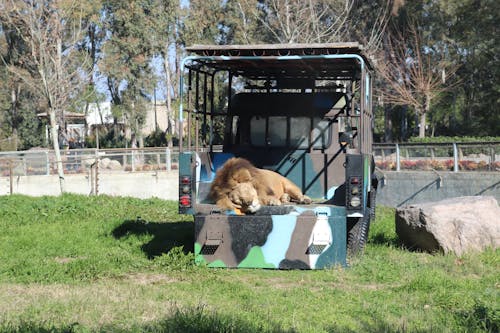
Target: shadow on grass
{"type": "Point", "coordinates": [165, 235]}
{"type": "Point", "coordinates": [200, 320]}
{"type": "Point", "coordinates": [382, 238]}
{"type": "Point", "coordinates": [192, 320]}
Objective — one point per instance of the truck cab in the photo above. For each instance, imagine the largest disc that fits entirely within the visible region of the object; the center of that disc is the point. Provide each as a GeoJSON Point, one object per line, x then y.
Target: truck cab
{"type": "Point", "coordinates": [301, 110]}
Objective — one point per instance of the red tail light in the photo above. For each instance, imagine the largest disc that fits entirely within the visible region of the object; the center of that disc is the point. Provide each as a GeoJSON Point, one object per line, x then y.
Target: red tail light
{"type": "Point", "coordinates": [185, 201]}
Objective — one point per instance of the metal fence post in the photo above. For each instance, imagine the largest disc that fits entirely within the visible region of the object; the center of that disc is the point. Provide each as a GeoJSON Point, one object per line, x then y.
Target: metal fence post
{"type": "Point", "coordinates": [133, 161]}
{"type": "Point", "coordinates": [455, 157]}
{"type": "Point", "coordinates": [398, 158]}
{"type": "Point", "coordinates": [168, 159]}
{"type": "Point", "coordinates": [47, 163]}
{"type": "Point", "coordinates": [11, 177]}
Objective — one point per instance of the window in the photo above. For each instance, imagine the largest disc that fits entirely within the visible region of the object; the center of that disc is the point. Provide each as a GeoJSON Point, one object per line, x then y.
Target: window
{"type": "Point", "coordinates": [300, 127]}
{"type": "Point", "coordinates": [277, 131]}
{"type": "Point", "coordinates": [295, 132]}
{"type": "Point", "coordinates": [320, 133]}
{"type": "Point", "coordinates": [258, 131]}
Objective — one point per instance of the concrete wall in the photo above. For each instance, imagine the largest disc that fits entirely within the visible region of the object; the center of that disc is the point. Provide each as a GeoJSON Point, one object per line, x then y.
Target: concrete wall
{"type": "Point", "coordinates": [407, 187]}
{"type": "Point", "coordinates": [395, 188]}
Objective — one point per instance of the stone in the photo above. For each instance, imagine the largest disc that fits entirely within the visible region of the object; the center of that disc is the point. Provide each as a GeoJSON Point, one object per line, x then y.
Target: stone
{"type": "Point", "coordinates": [114, 165]}
{"type": "Point", "coordinates": [456, 225]}
{"type": "Point", "coordinates": [104, 162]}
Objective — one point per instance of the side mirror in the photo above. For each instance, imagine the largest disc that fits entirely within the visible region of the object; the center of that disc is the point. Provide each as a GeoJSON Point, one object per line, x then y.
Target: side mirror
{"type": "Point", "coordinates": [346, 134]}
{"type": "Point", "coordinates": [346, 138]}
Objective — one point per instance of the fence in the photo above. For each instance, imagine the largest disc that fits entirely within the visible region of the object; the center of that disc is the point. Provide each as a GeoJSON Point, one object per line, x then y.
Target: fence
{"type": "Point", "coordinates": [43, 162]}
{"type": "Point", "coordinates": [94, 168]}
{"type": "Point", "coordinates": [480, 156]}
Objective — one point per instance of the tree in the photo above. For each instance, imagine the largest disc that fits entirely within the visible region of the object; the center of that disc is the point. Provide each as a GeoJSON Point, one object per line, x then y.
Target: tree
{"type": "Point", "coordinates": [295, 21]}
{"type": "Point", "coordinates": [19, 125]}
{"type": "Point", "coordinates": [473, 39]}
{"type": "Point", "coordinates": [162, 25]}
{"type": "Point", "coordinates": [413, 76]}
{"type": "Point", "coordinates": [126, 62]}
{"type": "Point", "coordinates": [52, 68]}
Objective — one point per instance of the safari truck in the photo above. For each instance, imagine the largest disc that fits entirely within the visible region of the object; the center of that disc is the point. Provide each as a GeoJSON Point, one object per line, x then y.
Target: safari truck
{"type": "Point", "coordinates": [301, 110]}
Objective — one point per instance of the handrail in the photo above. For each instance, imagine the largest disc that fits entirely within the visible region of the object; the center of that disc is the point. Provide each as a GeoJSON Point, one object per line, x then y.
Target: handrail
{"type": "Point", "coordinates": [458, 156]}
{"type": "Point", "coordinates": [419, 144]}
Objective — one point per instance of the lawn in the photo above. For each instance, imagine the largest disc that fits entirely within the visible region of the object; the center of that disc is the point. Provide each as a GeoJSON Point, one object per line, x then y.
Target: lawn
{"type": "Point", "coordinates": [104, 264]}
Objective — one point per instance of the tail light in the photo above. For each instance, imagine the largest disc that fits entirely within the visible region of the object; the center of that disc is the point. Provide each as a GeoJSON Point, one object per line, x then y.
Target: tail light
{"type": "Point", "coordinates": [354, 192]}
{"type": "Point", "coordinates": [184, 191]}
{"type": "Point", "coordinates": [185, 201]}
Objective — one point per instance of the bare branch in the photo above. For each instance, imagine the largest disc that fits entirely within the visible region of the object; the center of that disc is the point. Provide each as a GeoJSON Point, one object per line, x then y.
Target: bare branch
{"type": "Point", "coordinates": [411, 75]}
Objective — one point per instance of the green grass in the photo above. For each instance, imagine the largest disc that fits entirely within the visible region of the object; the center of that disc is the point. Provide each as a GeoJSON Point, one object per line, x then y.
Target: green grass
{"type": "Point", "coordinates": [104, 264]}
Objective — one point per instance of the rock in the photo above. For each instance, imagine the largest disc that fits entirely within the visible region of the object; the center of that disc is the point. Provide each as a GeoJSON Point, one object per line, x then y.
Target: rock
{"type": "Point", "coordinates": [114, 165]}
{"type": "Point", "coordinates": [104, 162]}
{"type": "Point", "coordinates": [456, 225]}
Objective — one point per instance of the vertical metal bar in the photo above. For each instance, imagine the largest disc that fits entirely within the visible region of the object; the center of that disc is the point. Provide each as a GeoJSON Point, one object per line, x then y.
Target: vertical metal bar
{"type": "Point", "coordinates": [11, 177]}
{"type": "Point", "coordinates": [189, 108]}
{"type": "Point", "coordinates": [229, 129]}
{"type": "Point", "coordinates": [492, 158]}
{"type": "Point", "coordinates": [212, 111]}
{"type": "Point", "coordinates": [47, 163]}
{"type": "Point", "coordinates": [362, 112]}
{"type": "Point", "coordinates": [197, 109]}
{"type": "Point", "coordinates": [133, 160]}
{"type": "Point", "coordinates": [97, 177]}
{"type": "Point", "coordinates": [455, 157]}
{"type": "Point", "coordinates": [398, 159]}
{"type": "Point", "coordinates": [205, 97]}
{"type": "Point", "coordinates": [168, 160]}
{"type": "Point", "coordinates": [229, 91]}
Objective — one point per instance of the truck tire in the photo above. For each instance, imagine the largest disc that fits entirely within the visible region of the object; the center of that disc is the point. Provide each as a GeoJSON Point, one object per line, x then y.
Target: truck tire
{"type": "Point", "coordinates": [357, 235]}
{"type": "Point", "coordinates": [372, 203]}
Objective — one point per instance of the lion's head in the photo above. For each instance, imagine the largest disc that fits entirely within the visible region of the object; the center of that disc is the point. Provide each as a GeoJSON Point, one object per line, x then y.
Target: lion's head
{"type": "Point", "coordinates": [244, 196]}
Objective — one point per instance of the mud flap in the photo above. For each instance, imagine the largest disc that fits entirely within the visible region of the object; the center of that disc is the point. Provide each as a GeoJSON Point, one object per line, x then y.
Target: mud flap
{"type": "Point", "coordinates": [306, 238]}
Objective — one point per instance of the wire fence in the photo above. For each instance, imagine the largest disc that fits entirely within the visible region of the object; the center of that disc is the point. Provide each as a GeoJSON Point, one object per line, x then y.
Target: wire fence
{"type": "Point", "coordinates": [124, 172]}
{"type": "Point", "coordinates": [77, 161]}
{"type": "Point", "coordinates": [481, 156]}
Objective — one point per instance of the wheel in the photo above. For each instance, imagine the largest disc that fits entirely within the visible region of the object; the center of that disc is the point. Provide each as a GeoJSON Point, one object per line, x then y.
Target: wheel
{"type": "Point", "coordinates": [357, 235]}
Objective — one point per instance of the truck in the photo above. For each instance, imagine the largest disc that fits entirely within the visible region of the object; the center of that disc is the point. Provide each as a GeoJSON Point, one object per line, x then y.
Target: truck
{"type": "Point", "coordinates": [301, 110]}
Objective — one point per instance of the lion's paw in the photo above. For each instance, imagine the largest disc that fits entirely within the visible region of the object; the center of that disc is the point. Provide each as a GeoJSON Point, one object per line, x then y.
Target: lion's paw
{"type": "Point", "coordinates": [305, 200]}
{"type": "Point", "coordinates": [285, 198]}
{"type": "Point", "coordinates": [274, 202]}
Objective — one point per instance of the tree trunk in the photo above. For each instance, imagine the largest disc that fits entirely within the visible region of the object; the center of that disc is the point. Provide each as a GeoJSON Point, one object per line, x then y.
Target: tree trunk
{"type": "Point", "coordinates": [423, 113]}
{"type": "Point", "coordinates": [168, 83]}
{"type": "Point", "coordinates": [421, 129]}
{"type": "Point", "coordinates": [387, 124]}
{"type": "Point", "coordinates": [13, 101]}
{"type": "Point", "coordinates": [55, 142]}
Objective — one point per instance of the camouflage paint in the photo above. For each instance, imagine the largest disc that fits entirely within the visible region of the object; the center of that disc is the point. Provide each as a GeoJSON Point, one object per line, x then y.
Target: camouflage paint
{"type": "Point", "coordinates": [306, 238]}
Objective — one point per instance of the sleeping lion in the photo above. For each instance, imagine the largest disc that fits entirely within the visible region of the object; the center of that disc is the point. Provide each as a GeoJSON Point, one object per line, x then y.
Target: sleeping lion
{"type": "Point", "coordinates": [240, 186]}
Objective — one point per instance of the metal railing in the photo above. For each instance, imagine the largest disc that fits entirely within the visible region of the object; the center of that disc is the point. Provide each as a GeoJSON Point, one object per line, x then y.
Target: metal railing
{"type": "Point", "coordinates": [43, 162]}
{"type": "Point", "coordinates": [454, 156]}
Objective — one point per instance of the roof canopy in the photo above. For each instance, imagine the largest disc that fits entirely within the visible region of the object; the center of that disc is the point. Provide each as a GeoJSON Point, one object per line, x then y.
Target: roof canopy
{"type": "Point", "coordinates": [285, 61]}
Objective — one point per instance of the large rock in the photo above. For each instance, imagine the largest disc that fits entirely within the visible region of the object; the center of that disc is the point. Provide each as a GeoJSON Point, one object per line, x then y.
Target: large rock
{"type": "Point", "coordinates": [114, 165]}
{"type": "Point", "coordinates": [455, 225]}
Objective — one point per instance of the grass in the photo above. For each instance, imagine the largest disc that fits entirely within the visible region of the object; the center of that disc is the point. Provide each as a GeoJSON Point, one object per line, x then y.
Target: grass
{"type": "Point", "coordinates": [104, 264]}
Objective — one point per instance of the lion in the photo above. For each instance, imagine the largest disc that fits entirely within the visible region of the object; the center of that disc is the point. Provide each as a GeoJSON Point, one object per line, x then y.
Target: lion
{"type": "Point", "coordinates": [240, 186]}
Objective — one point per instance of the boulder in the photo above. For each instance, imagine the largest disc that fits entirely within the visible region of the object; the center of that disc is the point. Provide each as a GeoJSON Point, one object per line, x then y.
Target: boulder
{"type": "Point", "coordinates": [114, 165]}
{"type": "Point", "coordinates": [104, 162]}
{"type": "Point", "coordinates": [456, 225]}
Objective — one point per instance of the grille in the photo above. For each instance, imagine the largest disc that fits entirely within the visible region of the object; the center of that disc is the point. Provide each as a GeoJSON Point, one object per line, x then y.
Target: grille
{"type": "Point", "coordinates": [315, 249]}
